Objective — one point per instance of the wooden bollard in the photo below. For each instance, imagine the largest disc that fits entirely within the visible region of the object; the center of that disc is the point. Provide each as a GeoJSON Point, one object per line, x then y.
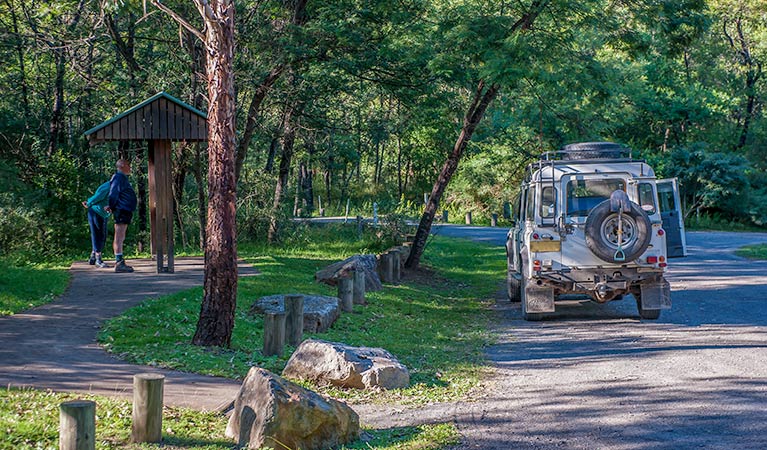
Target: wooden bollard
{"type": "Point", "coordinates": [345, 288]}
{"type": "Point", "coordinates": [294, 319]}
{"type": "Point", "coordinates": [444, 216]}
{"type": "Point", "coordinates": [468, 218]}
{"type": "Point", "coordinates": [147, 407]}
{"type": "Point", "coordinates": [358, 288]}
{"type": "Point", "coordinates": [494, 220]}
{"type": "Point", "coordinates": [77, 425]}
{"type": "Point", "coordinates": [396, 265]}
{"type": "Point", "coordinates": [274, 333]}
{"type": "Point", "coordinates": [386, 268]}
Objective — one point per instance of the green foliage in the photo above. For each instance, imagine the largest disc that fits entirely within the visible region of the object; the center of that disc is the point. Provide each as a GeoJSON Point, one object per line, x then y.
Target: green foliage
{"type": "Point", "coordinates": [435, 324]}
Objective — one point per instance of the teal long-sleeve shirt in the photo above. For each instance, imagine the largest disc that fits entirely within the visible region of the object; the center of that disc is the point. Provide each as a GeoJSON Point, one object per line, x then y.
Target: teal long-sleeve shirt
{"type": "Point", "coordinates": [98, 201]}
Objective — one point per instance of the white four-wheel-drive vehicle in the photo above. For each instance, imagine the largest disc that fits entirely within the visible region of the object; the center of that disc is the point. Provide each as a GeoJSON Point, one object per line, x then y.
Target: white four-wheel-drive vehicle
{"type": "Point", "coordinates": [591, 220]}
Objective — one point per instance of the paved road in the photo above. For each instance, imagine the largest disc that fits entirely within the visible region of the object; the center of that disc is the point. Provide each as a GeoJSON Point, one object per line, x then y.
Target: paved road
{"type": "Point", "coordinates": [54, 346]}
{"type": "Point", "coordinates": [598, 377]}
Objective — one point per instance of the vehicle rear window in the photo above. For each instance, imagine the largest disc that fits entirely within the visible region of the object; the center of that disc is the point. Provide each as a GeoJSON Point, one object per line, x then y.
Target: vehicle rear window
{"type": "Point", "coordinates": [584, 195]}
{"type": "Point", "coordinates": [647, 198]}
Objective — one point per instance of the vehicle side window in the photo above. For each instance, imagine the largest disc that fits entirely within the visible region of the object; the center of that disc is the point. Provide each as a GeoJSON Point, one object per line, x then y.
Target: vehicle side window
{"type": "Point", "coordinates": [548, 199]}
{"type": "Point", "coordinates": [530, 213]}
{"type": "Point", "coordinates": [646, 198]}
{"type": "Point", "coordinates": [517, 207]}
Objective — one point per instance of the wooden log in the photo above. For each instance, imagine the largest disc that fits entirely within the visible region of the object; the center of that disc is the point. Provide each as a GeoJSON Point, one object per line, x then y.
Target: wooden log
{"type": "Point", "coordinates": [468, 218]}
{"type": "Point", "coordinates": [77, 425]}
{"type": "Point", "coordinates": [274, 333]}
{"type": "Point", "coordinates": [345, 288]}
{"type": "Point", "coordinates": [294, 319]}
{"type": "Point", "coordinates": [147, 407]}
{"type": "Point", "coordinates": [358, 288]}
{"type": "Point", "coordinates": [494, 220]}
{"type": "Point", "coordinates": [396, 265]}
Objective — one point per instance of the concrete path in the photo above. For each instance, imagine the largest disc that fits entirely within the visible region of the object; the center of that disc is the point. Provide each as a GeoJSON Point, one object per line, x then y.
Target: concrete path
{"type": "Point", "coordinates": [54, 346]}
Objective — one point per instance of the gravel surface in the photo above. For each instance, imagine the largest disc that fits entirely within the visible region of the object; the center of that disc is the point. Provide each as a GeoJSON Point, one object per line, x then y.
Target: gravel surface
{"type": "Point", "coordinates": [597, 377]}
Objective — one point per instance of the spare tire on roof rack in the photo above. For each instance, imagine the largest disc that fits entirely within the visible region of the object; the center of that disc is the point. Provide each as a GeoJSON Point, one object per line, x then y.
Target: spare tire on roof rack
{"type": "Point", "coordinates": [594, 150]}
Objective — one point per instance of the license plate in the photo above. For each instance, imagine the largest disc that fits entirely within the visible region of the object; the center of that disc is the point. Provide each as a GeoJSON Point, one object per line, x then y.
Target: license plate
{"type": "Point", "coordinates": [545, 246]}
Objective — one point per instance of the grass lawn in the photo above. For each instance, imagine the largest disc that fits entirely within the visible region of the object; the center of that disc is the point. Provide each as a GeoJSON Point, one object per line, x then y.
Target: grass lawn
{"type": "Point", "coordinates": [756, 251]}
{"type": "Point", "coordinates": [29, 419]}
{"type": "Point", "coordinates": [29, 286]}
{"type": "Point", "coordinates": [436, 323]}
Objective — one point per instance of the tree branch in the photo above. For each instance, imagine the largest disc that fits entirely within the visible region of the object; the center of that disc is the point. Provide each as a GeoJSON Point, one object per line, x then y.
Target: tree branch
{"type": "Point", "coordinates": [181, 21]}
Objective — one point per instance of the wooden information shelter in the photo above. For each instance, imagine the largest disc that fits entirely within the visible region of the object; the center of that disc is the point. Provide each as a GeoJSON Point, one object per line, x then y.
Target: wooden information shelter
{"type": "Point", "coordinates": [158, 120]}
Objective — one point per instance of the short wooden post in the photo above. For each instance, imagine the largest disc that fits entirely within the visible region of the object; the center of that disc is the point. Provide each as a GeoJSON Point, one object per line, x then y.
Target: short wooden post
{"type": "Point", "coordinates": [506, 210]}
{"type": "Point", "coordinates": [147, 407]}
{"type": "Point", "coordinates": [386, 268]}
{"type": "Point", "coordinates": [274, 333]}
{"type": "Point", "coordinates": [358, 289]}
{"type": "Point", "coordinates": [468, 218]}
{"type": "Point", "coordinates": [359, 227]}
{"type": "Point", "coordinates": [77, 425]}
{"type": "Point", "coordinates": [444, 215]}
{"type": "Point", "coordinates": [396, 265]}
{"type": "Point", "coordinates": [494, 220]}
{"type": "Point", "coordinates": [294, 319]}
{"type": "Point", "coordinates": [345, 288]}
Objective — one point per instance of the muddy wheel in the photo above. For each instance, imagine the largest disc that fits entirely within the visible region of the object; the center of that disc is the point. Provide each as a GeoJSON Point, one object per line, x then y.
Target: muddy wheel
{"type": "Point", "coordinates": [513, 287]}
{"type": "Point", "coordinates": [648, 314]}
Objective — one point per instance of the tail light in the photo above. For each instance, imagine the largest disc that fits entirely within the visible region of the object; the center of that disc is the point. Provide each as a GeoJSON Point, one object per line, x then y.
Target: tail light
{"type": "Point", "coordinates": [652, 259]}
{"type": "Point", "coordinates": [536, 236]}
{"type": "Point", "coordinates": [537, 265]}
{"type": "Point", "coordinates": [661, 232]}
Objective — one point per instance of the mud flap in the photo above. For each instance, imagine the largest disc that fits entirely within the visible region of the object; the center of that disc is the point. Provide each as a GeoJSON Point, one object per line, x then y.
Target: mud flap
{"type": "Point", "coordinates": [539, 299]}
{"type": "Point", "coordinates": [656, 295]}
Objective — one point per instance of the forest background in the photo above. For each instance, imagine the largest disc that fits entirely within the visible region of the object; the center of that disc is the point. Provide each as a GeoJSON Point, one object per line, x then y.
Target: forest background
{"type": "Point", "coordinates": [361, 101]}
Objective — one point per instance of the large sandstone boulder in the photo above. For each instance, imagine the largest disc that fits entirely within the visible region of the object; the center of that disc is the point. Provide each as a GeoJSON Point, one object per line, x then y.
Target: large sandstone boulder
{"type": "Point", "coordinates": [366, 263]}
{"type": "Point", "coordinates": [320, 312]}
{"type": "Point", "coordinates": [271, 411]}
{"type": "Point", "coordinates": [345, 366]}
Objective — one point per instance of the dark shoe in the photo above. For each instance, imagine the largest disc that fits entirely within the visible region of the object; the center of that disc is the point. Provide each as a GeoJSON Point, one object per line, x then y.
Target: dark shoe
{"type": "Point", "coordinates": [121, 267]}
{"type": "Point", "coordinates": [92, 259]}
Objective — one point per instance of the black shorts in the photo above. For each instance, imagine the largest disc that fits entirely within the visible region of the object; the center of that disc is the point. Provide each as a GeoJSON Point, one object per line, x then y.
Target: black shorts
{"type": "Point", "coordinates": [122, 216]}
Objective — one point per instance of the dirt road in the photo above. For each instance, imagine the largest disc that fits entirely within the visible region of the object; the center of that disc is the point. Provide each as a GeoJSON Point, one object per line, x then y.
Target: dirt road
{"type": "Point", "coordinates": [597, 377]}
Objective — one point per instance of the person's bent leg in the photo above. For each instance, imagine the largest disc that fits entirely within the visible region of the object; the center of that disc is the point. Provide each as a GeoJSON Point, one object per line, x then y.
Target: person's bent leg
{"type": "Point", "coordinates": [100, 233]}
{"type": "Point", "coordinates": [93, 224]}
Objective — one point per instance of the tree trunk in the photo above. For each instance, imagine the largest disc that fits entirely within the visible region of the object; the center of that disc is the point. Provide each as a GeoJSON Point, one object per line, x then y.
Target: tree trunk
{"type": "Point", "coordinates": [54, 129]}
{"type": "Point", "coordinates": [269, 168]}
{"type": "Point", "coordinates": [288, 140]}
{"type": "Point", "coordinates": [480, 102]}
{"type": "Point", "coordinates": [216, 322]}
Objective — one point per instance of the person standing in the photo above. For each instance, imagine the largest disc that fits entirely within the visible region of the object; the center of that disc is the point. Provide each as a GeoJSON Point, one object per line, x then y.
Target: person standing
{"type": "Point", "coordinates": [122, 203]}
{"type": "Point", "coordinates": [97, 221]}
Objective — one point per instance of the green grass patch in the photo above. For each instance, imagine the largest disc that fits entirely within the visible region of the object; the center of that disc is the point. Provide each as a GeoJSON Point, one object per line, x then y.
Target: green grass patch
{"type": "Point", "coordinates": [756, 251]}
{"type": "Point", "coordinates": [29, 419]}
{"type": "Point", "coordinates": [24, 287]}
{"type": "Point", "coordinates": [436, 324]}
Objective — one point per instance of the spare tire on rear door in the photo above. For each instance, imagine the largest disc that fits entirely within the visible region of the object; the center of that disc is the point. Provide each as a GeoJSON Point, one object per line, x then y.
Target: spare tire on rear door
{"type": "Point", "coordinates": [602, 232]}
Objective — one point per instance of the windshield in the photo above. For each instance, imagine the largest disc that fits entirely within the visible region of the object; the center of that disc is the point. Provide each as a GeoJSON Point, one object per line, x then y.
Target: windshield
{"type": "Point", "coordinates": [584, 195]}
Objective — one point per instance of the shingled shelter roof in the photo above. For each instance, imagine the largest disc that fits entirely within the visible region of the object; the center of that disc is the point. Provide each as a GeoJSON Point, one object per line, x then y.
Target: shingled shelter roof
{"type": "Point", "coordinates": [161, 116]}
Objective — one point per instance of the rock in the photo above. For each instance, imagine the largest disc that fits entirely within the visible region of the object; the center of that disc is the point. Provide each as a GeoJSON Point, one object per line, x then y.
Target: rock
{"type": "Point", "coordinates": [367, 263]}
{"type": "Point", "coordinates": [271, 411]}
{"type": "Point", "coordinates": [320, 312]}
{"type": "Point", "coordinates": [345, 366]}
